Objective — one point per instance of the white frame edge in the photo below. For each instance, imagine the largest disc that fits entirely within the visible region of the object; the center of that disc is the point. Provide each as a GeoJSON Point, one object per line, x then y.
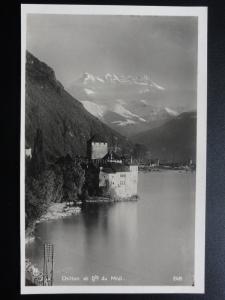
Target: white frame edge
{"type": "Point", "coordinates": [201, 13]}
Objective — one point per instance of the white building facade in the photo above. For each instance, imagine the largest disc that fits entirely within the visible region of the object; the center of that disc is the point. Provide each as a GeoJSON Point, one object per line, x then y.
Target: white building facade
{"type": "Point", "coordinates": [121, 184]}
{"type": "Point", "coordinates": [28, 152]}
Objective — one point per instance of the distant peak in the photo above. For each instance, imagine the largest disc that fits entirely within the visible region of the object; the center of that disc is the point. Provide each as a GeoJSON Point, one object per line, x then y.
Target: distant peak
{"type": "Point", "coordinates": [97, 81]}
{"type": "Point", "coordinates": [159, 87]}
{"type": "Point", "coordinates": [88, 77]}
{"type": "Point", "coordinates": [171, 112]}
{"type": "Point", "coordinates": [41, 72]}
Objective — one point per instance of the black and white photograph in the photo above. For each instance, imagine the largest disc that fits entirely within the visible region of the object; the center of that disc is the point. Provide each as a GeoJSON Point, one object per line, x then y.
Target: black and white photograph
{"type": "Point", "coordinates": [113, 149]}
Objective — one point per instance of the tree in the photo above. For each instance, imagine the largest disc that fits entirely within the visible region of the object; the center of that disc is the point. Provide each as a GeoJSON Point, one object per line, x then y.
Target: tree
{"type": "Point", "coordinates": [40, 192]}
{"type": "Point", "coordinates": [139, 151]}
{"type": "Point", "coordinates": [73, 178]}
{"type": "Point", "coordinates": [92, 180]}
{"type": "Point", "coordinates": [38, 161]}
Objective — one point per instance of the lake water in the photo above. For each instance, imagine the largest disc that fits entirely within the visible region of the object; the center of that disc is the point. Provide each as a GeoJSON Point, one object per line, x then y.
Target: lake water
{"type": "Point", "coordinates": [147, 242]}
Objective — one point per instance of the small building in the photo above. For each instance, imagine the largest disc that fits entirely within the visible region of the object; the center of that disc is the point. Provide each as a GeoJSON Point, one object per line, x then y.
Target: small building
{"type": "Point", "coordinates": [28, 153]}
{"type": "Point", "coordinates": [154, 163]}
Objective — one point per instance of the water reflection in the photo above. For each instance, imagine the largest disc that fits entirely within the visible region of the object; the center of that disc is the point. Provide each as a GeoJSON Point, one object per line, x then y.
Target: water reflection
{"type": "Point", "coordinates": [146, 242]}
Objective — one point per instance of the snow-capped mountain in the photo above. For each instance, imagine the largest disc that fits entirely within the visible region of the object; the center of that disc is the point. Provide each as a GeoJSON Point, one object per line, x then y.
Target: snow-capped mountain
{"type": "Point", "coordinates": [127, 122]}
{"type": "Point", "coordinates": [95, 109]}
{"type": "Point", "coordinates": [141, 80]}
{"type": "Point", "coordinates": [125, 116]}
{"type": "Point", "coordinates": [86, 77]}
{"type": "Point", "coordinates": [110, 87]}
{"type": "Point", "coordinates": [129, 104]}
{"type": "Point", "coordinates": [171, 112]}
{"type": "Point", "coordinates": [120, 110]}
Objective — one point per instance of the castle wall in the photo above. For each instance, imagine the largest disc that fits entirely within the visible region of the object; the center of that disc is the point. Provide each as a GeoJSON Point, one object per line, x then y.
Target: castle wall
{"type": "Point", "coordinates": [120, 184]}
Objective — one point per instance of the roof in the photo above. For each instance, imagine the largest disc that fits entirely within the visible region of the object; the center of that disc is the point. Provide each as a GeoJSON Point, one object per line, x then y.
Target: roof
{"type": "Point", "coordinates": [111, 155]}
{"type": "Point", "coordinates": [113, 168]}
{"type": "Point", "coordinates": [97, 138]}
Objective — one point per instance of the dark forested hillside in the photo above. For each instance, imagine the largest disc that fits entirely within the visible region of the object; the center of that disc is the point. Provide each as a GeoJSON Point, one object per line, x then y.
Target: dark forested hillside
{"type": "Point", "coordinates": [175, 140]}
{"type": "Point", "coordinates": [65, 124]}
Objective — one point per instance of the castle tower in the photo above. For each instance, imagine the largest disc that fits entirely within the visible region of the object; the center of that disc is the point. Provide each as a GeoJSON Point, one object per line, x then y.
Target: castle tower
{"type": "Point", "coordinates": [97, 147]}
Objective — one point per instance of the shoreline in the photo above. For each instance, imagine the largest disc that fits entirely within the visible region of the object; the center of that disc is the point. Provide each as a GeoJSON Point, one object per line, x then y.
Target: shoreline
{"type": "Point", "coordinates": [101, 199]}
{"type": "Point", "coordinates": [61, 210]}
{"type": "Point", "coordinates": [54, 212]}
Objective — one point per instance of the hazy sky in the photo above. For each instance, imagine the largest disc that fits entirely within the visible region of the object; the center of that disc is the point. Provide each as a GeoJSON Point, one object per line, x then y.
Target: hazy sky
{"type": "Point", "coordinates": [164, 47]}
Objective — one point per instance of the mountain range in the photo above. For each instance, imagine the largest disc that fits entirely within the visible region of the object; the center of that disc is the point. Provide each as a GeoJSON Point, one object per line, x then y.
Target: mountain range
{"type": "Point", "coordinates": [173, 141]}
{"type": "Point", "coordinates": [128, 104]}
{"type": "Point", "coordinates": [65, 123]}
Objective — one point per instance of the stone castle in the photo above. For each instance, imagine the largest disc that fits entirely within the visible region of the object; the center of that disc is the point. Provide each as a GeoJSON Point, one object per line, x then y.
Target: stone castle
{"type": "Point", "coordinates": [117, 177]}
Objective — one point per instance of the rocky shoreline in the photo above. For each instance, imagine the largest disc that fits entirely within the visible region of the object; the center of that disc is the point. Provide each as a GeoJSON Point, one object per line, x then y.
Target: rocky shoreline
{"type": "Point", "coordinates": [54, 212]}
{"type": "Point", "coordinates": [58, 211]}
{"type": "Point", "coordinates": [111, 200]}
{"type": "Point", "coordinates": [62, 210]}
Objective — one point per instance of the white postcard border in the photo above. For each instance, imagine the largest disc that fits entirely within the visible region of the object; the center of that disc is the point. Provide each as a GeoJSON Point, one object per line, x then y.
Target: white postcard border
{"type": "Point", "coordinates": [201, 13]}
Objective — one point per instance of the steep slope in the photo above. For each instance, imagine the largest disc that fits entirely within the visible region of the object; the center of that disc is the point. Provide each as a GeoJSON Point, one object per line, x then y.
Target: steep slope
{"type": "Point", "coordinates": [65, 123]}
{"type": "Point", "coordinates": [175, 140]}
